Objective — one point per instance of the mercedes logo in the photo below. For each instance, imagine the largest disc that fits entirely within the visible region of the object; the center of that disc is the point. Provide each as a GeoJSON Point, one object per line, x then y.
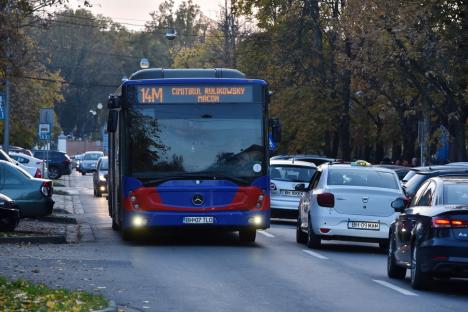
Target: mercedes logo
{"type": "Point", "coordinates": [198, 200]}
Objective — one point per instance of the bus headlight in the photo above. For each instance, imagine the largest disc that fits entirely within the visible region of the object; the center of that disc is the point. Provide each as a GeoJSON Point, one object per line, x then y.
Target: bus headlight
{"type": "Point", "coordinates": [138, 221]}
{"type": "Point", "coordinates": [256, 220]}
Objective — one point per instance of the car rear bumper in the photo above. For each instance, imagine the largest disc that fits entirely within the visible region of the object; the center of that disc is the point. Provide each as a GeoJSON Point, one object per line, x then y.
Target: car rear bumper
{"type": "Point", "coordinates": [332, 225]}
{"type": "Point", "coordinates": [223, 220]}
{"type": "Point", "coordinates": [285, 204]}
{"type": "Point", "coordinates": [445, 257]}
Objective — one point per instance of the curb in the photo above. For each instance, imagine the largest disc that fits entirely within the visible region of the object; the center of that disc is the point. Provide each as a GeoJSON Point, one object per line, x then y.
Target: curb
{"type": "Point", "coordinates": [43, 239]}
{"type": "Point", "coordinates": [59, 219]}
{"type": "Point", "coordinates": [110, 308]}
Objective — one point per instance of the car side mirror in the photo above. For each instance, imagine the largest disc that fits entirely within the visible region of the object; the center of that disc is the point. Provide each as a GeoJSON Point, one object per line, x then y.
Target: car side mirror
{"type": "Point", "coordinates": [399, 205]}
{"type": "Point", "coordinates": [300, 187]}
{"type": "Point", "coordinates": [112, 121]}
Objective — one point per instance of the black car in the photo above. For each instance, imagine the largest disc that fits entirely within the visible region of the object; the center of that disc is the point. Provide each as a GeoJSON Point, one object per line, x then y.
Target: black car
{"type": "Point", "coordinates": [9, 214]}
{"type": "Point", "coordinates": [413, 184]}
{"type": "Point", "coordinates": [430, 237]}
{"type": "Point", "coordinates": [59, 163]}
{"type": "Point", "coordinates": [414, 170]}
{"type": "Point", "coordinates": [100, 177]}
{"type": "Point", "coordinates": [401, 171]}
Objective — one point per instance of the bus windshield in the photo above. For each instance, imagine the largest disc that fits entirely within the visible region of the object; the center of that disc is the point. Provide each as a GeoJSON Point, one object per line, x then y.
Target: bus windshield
{"type": "Point", "coordinates": [219, 140]}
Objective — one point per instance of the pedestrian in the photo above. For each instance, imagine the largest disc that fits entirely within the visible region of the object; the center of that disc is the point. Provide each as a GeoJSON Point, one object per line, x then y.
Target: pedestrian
{"type": "Point", "coordinates": [414, 162]}
{"type": "Point", "coordinates": [397, 162]}
{"type": "Point", "coordinates": [405, 163]}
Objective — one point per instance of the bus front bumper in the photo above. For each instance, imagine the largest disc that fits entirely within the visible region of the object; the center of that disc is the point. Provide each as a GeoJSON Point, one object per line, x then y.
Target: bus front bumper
{"type": "Point", "coordinates": [222, 220]}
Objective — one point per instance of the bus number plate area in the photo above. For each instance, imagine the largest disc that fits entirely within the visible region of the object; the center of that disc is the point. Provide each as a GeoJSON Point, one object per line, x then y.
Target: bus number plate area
{"type": "Point", "coordinates": [198, 220]}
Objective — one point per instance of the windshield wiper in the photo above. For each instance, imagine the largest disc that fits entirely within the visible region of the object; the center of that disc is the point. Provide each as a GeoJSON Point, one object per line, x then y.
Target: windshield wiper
{"type": "Point", "coordinates": [197, 176]}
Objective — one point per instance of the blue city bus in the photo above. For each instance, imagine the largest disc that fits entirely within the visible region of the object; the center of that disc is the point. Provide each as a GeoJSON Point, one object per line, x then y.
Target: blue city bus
{"type": "Point", "coordinates": [188, 148]}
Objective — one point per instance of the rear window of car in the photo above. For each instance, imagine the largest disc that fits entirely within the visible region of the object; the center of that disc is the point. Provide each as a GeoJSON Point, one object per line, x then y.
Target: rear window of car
{"type": "Point", "coordinates": [456, 194]}
{"type": "Point", "coordinates": [93, 156]}
{"type": "Point", "coordinates": [413, 184]}
{"type": "Point", "coordinates": [291, 173]}
{"type": "Point", "coordinates": [365, 177]}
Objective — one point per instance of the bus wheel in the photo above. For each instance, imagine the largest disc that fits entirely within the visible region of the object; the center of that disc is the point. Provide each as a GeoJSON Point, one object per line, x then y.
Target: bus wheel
{"type": "Point", "coordinates": [247, 236]}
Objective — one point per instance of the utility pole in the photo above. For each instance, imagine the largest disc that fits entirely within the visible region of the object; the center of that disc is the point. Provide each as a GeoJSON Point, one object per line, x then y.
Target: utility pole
{"type": "Point", "coordinates": [6, 122]}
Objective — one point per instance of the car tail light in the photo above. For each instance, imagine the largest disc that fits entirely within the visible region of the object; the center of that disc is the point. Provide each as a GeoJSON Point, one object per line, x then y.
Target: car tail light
{"type": "Point", "coordinates": [407, 200]}
{"type": "Point", "coordinates": [38, 173]}
{"type": "Point", "coordinates": [46, 188]}
{"type": "Point", "coordinates": [447, 223]}
{"type": "Point", "coordinates": [326, 200]}
{"type": "Point", "coordinates": [272, 186]}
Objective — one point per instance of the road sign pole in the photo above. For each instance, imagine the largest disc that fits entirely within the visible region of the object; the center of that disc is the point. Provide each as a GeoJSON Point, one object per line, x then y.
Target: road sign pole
{"type": "Point", "coordinates": [6, 122]}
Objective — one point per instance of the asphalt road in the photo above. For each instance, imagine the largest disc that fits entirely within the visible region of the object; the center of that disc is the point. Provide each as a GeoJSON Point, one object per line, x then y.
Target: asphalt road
{"type": "Point", "coordinates": [213, 272]}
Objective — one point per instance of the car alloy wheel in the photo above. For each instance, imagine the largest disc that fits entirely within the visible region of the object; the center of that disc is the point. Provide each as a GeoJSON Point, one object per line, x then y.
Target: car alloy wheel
{"type": "Point", "coordinates": [54, 173]}
{"type": "Point", "coordinates": [393, 270]}
{"type": "Point", "coordinates": [419, 279]}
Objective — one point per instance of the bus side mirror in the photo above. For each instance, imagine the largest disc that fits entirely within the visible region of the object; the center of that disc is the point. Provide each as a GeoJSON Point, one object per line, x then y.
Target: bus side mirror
{"type": "Point", "coordinates": [275, 130]}
{"type": "Point", "coordinates": [113, 102]}
{"type": "Point", "coordinates": [112, 120]}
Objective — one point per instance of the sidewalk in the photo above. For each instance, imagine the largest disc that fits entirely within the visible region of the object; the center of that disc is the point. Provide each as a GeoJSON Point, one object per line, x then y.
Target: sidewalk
{"type": "Point", "coordinates": [62, 226]}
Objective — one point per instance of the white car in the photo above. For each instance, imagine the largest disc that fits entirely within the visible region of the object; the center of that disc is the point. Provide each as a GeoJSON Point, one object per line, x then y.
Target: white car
{"type": "Point", "coordinates": [284, 176]}
{"type": "Point", "coordinates": [34, 166]}
{"type": "Point", "coordinates": [348, 202]}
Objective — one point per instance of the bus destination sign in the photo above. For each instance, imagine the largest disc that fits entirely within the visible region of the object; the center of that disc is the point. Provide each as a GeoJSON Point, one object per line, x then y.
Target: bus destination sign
{"type": "Point", "coordinates": [151, 94]}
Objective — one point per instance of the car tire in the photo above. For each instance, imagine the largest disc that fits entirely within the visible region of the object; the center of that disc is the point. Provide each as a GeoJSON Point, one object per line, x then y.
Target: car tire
{"type": "Point", "coordinates": [393, 270]}
{"type": "Point", "coordinates": [8, 224]}
{"type": "Point", "coordinates": [54, 173]}
{"type": "Point", "coordinates": [83, 173]}
{"type": "Point", "coordinates": [247, 236]}
{"type": "Point", "coordinates": [115, 226]}
{"type": "Point", "coordinates": [301, 237]}
{"type": "Point", "coordinates": [313, 241]}
{"type": "Point", "coordinates": [419, 280]}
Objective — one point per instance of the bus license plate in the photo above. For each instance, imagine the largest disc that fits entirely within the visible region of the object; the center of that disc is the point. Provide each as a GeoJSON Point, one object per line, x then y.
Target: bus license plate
{"type": "Point", "coordinates": [198, 220]}
{"type": "Point", "coordinates": [361, 225]}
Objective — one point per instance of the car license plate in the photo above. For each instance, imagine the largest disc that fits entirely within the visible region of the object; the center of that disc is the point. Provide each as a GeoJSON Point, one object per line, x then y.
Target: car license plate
{"type": "Point", "coordinates": [198, 220]}
{"type": "Point", "coordinates": [362, 225]}
{"type": "Point", "coordinates": [291, 193]}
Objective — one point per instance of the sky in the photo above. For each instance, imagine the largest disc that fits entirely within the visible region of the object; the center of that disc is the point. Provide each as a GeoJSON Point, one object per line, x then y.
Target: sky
{"type": "Point", "coordinates": [137, 11]}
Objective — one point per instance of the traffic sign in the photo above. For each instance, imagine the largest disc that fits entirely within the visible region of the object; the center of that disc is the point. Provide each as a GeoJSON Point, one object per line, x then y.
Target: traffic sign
{"type": "Point", "coordinates": [2, 108]}
{"type": "Point", "coordinates": [44, 131]}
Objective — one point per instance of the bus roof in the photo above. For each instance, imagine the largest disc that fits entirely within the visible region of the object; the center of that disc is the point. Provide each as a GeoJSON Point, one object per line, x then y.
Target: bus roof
{"type": "Point", "coordinates": [161, 73]}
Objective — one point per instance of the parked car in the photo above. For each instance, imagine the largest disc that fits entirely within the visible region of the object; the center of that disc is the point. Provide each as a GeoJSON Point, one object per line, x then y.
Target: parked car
{"type": "Point", "coordinates": [100, 177]}
{"type": "Point", "coordinates": [30, 170]}
{"type": "Point", "coordinates": [348, 202]}
{"type": "Point", "coordinates": [58, 163]}
{"type": "Point", "coordinates": [284, 176]}
{"type": "Point", "coordinates": [401, 171]}
{"type": "Point", "coordinates": [37, 165]}
{"type": "Point", "coordinates": [315, 159]}
{"type": "Point", "coordinates": [413, 184]}
{"type": "Point", "coordinates": [430, 237]}
{"type": "Point", "coordinates": [9, 214]}
{"type": "Point", "coordinates": [32, 196]}
{"type": "Point", "coordinates": [76, 161]}
{"type": "Point", "coordinates": [18, 149]}
{"type": "Point", "coordinates": [89, 161]}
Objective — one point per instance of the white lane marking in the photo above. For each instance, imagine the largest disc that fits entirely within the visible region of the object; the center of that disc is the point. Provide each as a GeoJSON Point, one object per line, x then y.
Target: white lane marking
{"type": "Point", "coordinates": [265, 233]}
{"type": "Point", "coordinates": [395, 288]}
{"type": "Point", "coordinates": [314, 254]}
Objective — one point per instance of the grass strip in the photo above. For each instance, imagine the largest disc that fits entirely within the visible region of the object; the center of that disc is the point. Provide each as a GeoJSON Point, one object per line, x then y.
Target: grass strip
{"type": "Point", "coordinates": [22, 295]}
